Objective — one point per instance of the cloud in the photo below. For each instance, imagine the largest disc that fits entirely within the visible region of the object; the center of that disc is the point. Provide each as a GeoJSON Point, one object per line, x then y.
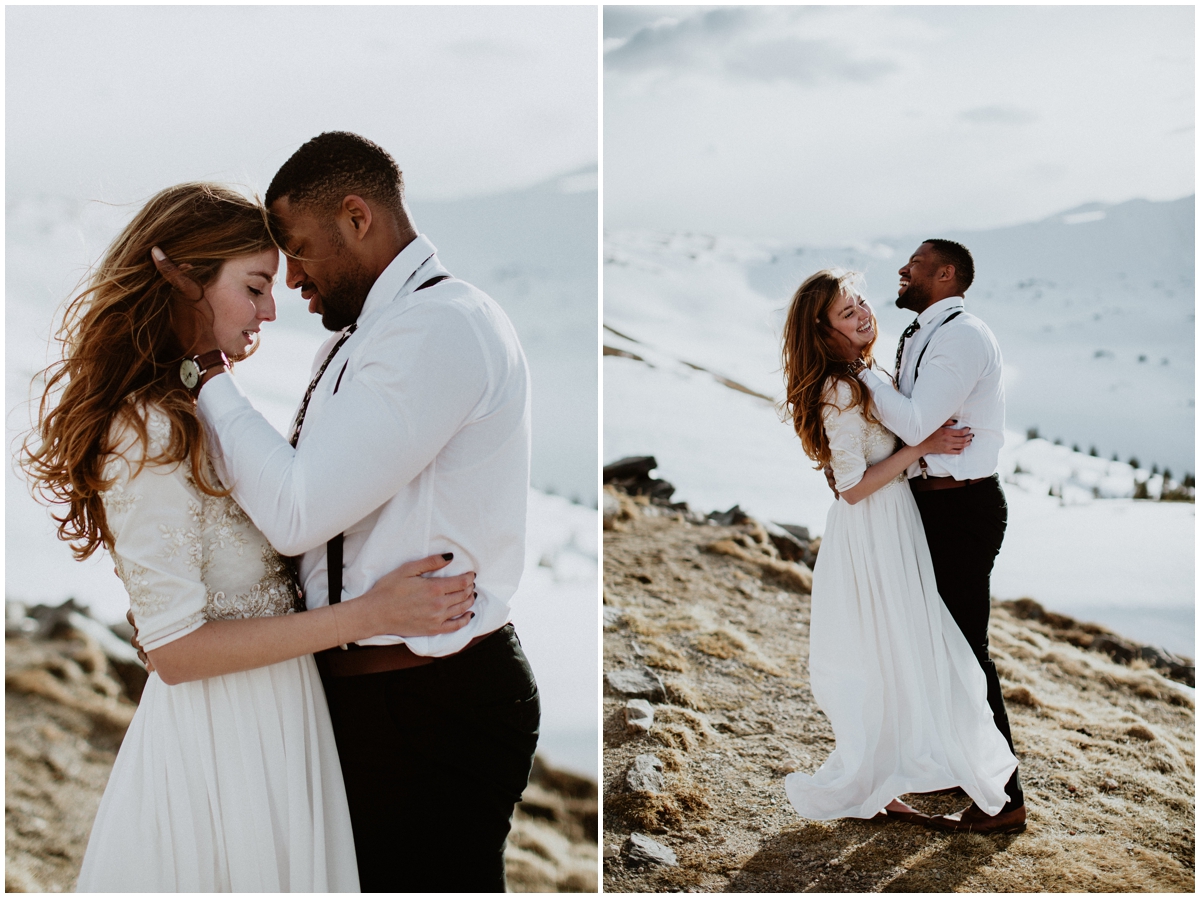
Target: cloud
{"type": "Point", "coordinates": [803, 61]}
{"type": "Point", "coordinates": [742, 42]}
{"type": "Point", "coordinates": [998, 115]}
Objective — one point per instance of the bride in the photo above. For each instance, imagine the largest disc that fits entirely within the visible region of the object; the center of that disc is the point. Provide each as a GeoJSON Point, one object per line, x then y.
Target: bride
{"type": "Point", "coordinates": [228, 777]}
{"type": "Point", "coordinates": [887, 663]}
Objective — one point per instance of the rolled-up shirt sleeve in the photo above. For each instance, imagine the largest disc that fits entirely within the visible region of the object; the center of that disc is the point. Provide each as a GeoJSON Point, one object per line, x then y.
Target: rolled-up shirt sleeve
{"type": "Point", "coordinates": [952, 364]}
{"type": "Point", "coordinates": [414, 385]}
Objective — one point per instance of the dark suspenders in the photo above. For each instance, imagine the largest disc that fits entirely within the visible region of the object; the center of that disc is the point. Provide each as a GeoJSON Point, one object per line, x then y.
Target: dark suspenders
{"type": "Point", "coordinates": [917, 369]}
{"type": "Point", "coordinates": [333, 548]}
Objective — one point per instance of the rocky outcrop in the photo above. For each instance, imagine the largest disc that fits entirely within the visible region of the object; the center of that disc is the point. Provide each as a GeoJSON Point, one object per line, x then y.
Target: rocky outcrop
{"type": "Point", "coordinates": [70, 688]}
{"type": "Point", "coordinates": [1107, 748]}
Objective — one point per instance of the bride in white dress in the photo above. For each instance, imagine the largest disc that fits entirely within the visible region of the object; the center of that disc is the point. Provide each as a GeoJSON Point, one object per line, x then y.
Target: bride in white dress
{"type": "Point", "coordinates": [228, 777]}
{"type": "Point", "coordinates": [887, 664]}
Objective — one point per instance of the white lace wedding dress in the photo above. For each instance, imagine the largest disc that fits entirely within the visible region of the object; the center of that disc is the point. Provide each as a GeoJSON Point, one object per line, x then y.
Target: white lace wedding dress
{"type": "Point", "coordinates": [887, 664]}
{"type": "Point", "coordinates": [230, 783]}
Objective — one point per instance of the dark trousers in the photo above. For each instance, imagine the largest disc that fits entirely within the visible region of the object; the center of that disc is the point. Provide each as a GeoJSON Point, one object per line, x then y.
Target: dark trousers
{"type": "Point", "coordinates": [965, 527]}
{"type": "Point", "coordinates": [434, 759]}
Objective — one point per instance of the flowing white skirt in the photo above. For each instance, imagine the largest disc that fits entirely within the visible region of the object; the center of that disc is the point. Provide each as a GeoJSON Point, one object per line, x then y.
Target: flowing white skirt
{"type": "Point", "coordinates": [892, 672]}
{"type": "Point", "coordinates": [226, 784]}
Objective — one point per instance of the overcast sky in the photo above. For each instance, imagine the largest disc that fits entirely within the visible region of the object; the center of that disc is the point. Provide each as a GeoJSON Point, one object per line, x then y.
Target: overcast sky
{"type": "Point", "coordinates": [117, 102]}
{"type": "Point", "coordinates": [831, 124]}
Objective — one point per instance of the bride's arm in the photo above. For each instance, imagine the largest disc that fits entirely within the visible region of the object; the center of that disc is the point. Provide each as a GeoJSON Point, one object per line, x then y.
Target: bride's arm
{"type": "Point", "coordinates": [401, 602]}
{"type": "Point", "coordinates": [943, 441]}
{"type": "Point", "coordinates": [154, 517]}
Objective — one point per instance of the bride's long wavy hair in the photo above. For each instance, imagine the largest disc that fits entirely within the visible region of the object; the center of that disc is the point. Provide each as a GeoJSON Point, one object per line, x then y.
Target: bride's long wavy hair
{"type": "Point", "coordinates": [811, 357]}
{"type": "Point", "coordinates": [121, 354]}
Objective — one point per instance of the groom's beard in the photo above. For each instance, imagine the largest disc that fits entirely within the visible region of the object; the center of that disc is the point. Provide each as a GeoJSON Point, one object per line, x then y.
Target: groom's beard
{"type": "Point", "coordinates": [343, 301]}
{"type": "Point", "coordinates": [915, 298]}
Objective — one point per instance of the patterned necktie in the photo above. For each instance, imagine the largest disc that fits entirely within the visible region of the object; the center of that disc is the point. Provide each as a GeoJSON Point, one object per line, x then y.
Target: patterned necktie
{"type": "Point", "coordinates": [313, 385]}
{"type": "Point", "coordinates": [908, 332]}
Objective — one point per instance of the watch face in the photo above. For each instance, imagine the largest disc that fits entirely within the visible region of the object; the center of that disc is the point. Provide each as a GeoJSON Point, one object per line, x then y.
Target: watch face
{"type": "Point", "coordinates": [189, 373]}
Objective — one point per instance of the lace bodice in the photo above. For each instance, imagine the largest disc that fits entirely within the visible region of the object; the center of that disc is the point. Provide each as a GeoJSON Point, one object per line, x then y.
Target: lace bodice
{"type": "Point", "coordinates": [186, 557]}
{"type": "Point", "coordinates": [855, 442]}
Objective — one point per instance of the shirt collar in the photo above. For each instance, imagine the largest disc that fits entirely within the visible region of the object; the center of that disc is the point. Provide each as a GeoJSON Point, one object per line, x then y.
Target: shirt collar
{"type": "Point", "coordinates": [395, 279]}
{"type": "Point", "coordinates": [940, 308]}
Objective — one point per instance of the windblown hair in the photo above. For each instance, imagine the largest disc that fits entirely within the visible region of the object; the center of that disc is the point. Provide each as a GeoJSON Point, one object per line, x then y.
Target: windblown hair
{"type": "Point", "coordinates": [813, 363]}
{"type": "Point", "coordinates": [332, 166]}
{"type": "Point", "coordinates": [121, 355]}
{"type": "Point", "coordinates": [951, 253]}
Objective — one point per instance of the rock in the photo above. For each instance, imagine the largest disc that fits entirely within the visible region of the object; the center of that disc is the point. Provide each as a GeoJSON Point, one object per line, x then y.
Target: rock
{"type": "Point", "coordinates": [611, 851]}
{"type": "Point", "coordinates": [786, 544]}
{"type": "Point", "coordinates": [630, 468]}
{"type": "Point", "coordinates": [612, 617]}
{"type": "Point", "coordinates": [632, 475]}
{"type": "Point", "coordinates": [1117, 649]}
{"type": "Point", "coordinates": [788, 766]}
{"type": "Point", "coordinates": [639, 682]}
{"type": "Point", "coordinates": [639, 715]}
{"type": "Point", "coordinates": [1109, 785]}
{"type": "Point", "coordinates": [645, 774]}
{"type": "Point", "coordinates": [642, 849]}
{"type": "Point", "coordinates": [735, 515]}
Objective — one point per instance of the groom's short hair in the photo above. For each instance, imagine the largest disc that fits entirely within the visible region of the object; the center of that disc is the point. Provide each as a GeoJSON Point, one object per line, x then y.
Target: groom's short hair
{"type": "Point", "coordinates": [332, 166]}
{"type": "Point", "coordinates": [951, 253]}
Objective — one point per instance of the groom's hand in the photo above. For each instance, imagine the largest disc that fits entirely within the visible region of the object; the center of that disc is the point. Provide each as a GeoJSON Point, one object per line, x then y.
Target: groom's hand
{"type": "Point", "coordinates": [194, 321]}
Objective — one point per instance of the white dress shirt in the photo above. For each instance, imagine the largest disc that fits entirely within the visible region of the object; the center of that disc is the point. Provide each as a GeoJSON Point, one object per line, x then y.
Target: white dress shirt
{"type": "Point", "coordinates": [961, 376]}
{"type": "Point", "coordinates": [424, 448]}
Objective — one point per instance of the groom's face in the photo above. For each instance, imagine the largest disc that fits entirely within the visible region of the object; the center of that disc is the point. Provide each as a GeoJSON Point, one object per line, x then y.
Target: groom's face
{"type": "Point", "coordinates": [917, 278]}
{"type": "Point", "coordinates": [320, 265]}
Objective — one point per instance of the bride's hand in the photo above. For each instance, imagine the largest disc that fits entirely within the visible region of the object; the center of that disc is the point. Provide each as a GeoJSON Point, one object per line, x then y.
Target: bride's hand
{"type": "Point", "coordinates": [194, 321]}
{"type": "Point", "coordinates": [415, 605]}
{"type": "Point", "coordinates": [947, 440]}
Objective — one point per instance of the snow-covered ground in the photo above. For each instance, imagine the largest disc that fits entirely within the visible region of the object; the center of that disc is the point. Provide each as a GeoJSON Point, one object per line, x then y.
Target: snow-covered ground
{"type": "Point", "coordinates": [682, 300]}
{"type": "Point", "coordinates": [542, 271]}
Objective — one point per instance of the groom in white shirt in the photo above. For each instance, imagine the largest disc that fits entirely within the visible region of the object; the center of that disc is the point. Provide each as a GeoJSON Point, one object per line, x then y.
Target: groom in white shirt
{"type": "Point", "coordinates": [948, 365]}
{"type": "Point", "coordinates": [413, 439]}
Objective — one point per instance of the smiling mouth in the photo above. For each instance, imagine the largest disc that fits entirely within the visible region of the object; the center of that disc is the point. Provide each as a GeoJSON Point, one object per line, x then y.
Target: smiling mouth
{"type": "Point", "coordinates": [866, 328]}
{"type": "Point", "coordinates": [903, 284]}
{"type": "Point", "coordinates": [309, 292]}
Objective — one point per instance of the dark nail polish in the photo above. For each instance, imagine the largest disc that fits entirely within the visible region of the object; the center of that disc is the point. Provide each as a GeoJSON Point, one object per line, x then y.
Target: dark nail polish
{"type": "Point", "coordinates": [449, 556]}
{"type": "Point", "coordinates": [472, 614]}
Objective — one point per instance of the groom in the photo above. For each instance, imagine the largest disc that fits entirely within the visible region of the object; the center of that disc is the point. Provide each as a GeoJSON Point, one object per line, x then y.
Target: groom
{"type": "Point", "coordinates": [948, 365]}
{"type": "Point", "coordinates": [412, 439]}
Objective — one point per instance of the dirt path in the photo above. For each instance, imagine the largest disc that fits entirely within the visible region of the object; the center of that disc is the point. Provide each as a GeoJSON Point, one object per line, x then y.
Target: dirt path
{"type": "Point", "coordinates": [1107, 751]}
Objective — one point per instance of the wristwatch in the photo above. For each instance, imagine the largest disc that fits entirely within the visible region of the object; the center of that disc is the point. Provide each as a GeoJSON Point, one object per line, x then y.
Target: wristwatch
{"type": "Point", "coordinates": [192, 370]}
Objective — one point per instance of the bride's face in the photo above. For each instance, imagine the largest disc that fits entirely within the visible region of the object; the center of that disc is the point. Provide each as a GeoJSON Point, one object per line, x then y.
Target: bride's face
{"type": "Point", "coordinates": [241, 300]}
{"type": "Point", "coordinates": [852, 322]}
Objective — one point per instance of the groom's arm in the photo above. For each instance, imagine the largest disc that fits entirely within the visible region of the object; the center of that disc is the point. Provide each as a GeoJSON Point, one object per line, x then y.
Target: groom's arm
{"type": "Point", "coordinates": [953, 364]}
{"type": "Point", "coordinates": [419, 378]}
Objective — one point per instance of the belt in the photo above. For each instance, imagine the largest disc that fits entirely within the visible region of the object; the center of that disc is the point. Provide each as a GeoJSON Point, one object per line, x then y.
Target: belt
{"type": "Point", "coordinates": [920, 484]}
{"type": "Point", "coordinates": [356, 660]}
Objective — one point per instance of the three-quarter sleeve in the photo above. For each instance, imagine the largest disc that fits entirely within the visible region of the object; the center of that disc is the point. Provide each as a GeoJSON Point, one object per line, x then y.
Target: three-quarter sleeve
{"type": "Point", "coordinates": [154, 515]}
{"type": "Point", "coordinates": [846, 429]}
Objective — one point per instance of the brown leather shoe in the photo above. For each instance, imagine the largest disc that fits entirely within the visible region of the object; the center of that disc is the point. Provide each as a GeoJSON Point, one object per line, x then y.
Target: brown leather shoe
{"type": "Point", "coordinates": [973, 820]}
